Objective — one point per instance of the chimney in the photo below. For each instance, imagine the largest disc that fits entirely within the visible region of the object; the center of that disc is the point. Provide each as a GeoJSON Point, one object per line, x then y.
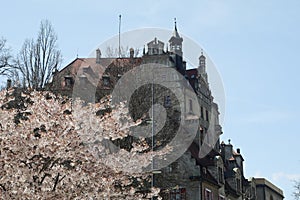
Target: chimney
{"type": "Point", "coordinates": [8, 85]}
{"type": "Point", "coordinates": [131, 52]}
{"type": "Point", "coordinates": [98, 56]}
{"type": "Point", "coordinates": [226, 150]}
{"type": "Point", "coordinates": [184, 65]}
{"type": "Point", "coordinates": [238, 150]}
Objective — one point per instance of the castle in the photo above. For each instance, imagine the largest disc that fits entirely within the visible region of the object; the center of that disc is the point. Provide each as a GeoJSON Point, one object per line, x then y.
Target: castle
{"type": "Point", "coordinates": [219, 174]}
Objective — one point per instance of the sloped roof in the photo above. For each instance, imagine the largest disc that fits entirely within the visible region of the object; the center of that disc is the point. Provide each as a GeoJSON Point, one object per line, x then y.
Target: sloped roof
{"type": "Point", "coordinates": [77, 67]}
{"type": "Point", "coordinates": [208, 160]}
{"type": "Point", "coordinates": [206, 175]}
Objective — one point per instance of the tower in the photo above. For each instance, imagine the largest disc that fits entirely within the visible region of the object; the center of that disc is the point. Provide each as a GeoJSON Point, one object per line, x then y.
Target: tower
{"type": "Point", "coordinates": [176, 42]}
{"type": "Point", "coordinates": [176, 49]}
{"type": "Point", "coordinates": [202, 67]}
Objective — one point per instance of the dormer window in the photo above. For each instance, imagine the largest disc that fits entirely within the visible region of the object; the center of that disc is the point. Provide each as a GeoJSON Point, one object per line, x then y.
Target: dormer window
{"type": "Point", "coordinates": [106, 80]}
{"type": "Point", "coordinates": [219, 168]}
{"type": "Point", "coordinates": [119, 76]}
{"type": "Point", "coordinates": [69, 81]}
{"type": "Point", "coordinates": [238, 184]}
{"type": "Point", "coordinates": [85, 70]}
{"type": "Point", "coordinates": [220, 174]}
{"type": "Point", "coordinates": [83, 80]}
{"type": "Point", "coordinates": [238, 179]}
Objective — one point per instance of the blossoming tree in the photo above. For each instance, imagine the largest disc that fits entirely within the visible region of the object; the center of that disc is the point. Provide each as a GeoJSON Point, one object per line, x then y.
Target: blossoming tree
{"type": "Point", "coordinates": [55, 148]}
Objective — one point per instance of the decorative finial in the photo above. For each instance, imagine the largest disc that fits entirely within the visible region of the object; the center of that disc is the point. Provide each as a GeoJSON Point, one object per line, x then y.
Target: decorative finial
{"type": "Point", "coordinates": [175, 22]}
{"type": "Point", "coordinates": [229, 141]}
{"type": "Point", "coordinates": [201, 51]}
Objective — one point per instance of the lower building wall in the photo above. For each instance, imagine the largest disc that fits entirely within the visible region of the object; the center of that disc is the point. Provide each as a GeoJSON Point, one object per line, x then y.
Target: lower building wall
{"type": "Point", "coordinates": [260, 193]}
{"type": "Point", "coordinates": [210, 188]}
{"type": "Point", "coordinates": [265, 193]}
{"type": "Point", "coordinates": [177, 176]}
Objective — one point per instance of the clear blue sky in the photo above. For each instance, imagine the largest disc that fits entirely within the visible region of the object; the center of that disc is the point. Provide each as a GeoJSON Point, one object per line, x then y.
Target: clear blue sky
{"type": "Point", "coordinates": [254, 44]}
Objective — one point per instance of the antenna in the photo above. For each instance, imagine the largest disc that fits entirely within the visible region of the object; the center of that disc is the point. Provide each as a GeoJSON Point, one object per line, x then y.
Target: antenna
{"type": "Point", "coordinates": [120, 36]}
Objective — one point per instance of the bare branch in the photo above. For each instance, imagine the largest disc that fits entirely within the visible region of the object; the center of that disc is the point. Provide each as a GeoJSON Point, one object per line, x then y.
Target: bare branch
{"type": "Point", "coordinates": [5, 58]}
{"type": "Point", "coordinates": [297, 190]}
{"type": "Point", "coordinates": [57, 180]}
{"type": "Point", "coordinates": [38, 59]}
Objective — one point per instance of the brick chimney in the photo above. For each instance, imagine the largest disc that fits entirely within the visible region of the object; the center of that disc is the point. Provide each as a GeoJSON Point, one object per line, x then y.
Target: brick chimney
{"type": "Point", "coordinates": [8, 84]}
{"type": "Point", "coordinates": [226, 150]}
{"type": "Point", "coordinates": [98, 56]}
{"type": "Point", "coordinates": [131, 52]}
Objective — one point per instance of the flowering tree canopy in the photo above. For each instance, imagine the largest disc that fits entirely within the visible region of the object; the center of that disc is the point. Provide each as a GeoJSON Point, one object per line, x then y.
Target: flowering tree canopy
{"type": "Point", "coordinates": [50, 150]}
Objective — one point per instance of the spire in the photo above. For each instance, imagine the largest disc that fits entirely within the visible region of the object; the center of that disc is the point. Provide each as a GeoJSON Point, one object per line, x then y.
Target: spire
{"type": "Point", "coordinates": [176, 34]}
{"type": "Point", "coordinates": [176, 41]}
{"type": "Point", "coordinates": [202, 56]}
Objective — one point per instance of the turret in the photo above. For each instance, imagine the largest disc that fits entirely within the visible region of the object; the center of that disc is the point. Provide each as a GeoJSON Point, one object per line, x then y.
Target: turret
{"type": "Point", "coordinates": [176, 50]}
{"type": "Point", "coordinates": [202, 67]}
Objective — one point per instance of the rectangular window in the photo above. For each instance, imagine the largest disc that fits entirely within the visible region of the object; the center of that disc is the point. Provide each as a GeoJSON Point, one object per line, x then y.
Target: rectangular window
{"type": "Point", "coordinates": [202, 115]}
{"type": "Point", "coordinates": [174, 166]}
{"type": "Point", "coordinates": [178, 194]}
{"type": "Point", "coordinates": [220, 173]}
{"type": "Point", "coordinates": [208, 194]}
{"type": "Point", "coordinates": [238, 184]}
{"type": "Point", "coordinates": [167, 101]}
{"type": "Point", "coordinates": [68, 81]}
{"type": "Point", "coordinates": [207, 115]}
{"type": "Point", "coordinates": [105, 80]}
{"type": "Point", "coordinates": [191, 105]}
{"type": "Point", "coordinates": [201, 135]}
{"type": "Point", "coordinates": [85, 70]}
{"type": "Point", "coordinates": [83, 80]}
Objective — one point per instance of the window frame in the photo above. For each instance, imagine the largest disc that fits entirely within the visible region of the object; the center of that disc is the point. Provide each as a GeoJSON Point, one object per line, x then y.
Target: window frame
{"type": "Point", "coordinates": [208, 194]}
{"type": "Point", "coordinates": [106, 80]}
{"type": "Point", "coordinates": [191, 105]}
{"type": "Point", "coordinates": [167, 101]}
{"type": "Point", "coordinates": [221, 197]}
